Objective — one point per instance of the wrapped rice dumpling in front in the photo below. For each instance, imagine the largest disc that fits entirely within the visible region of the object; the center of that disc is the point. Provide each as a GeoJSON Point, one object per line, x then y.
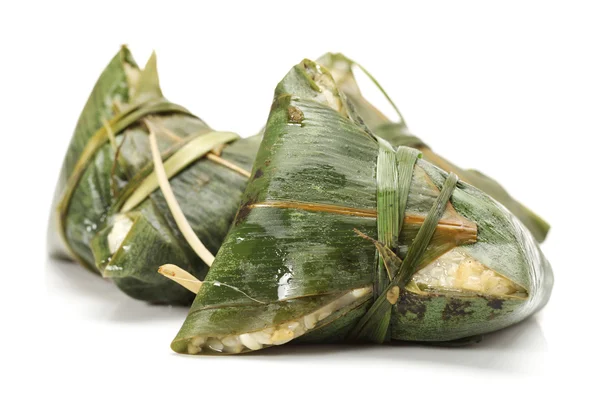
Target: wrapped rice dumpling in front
{"type": "Point", "coordinates": [343, 237]}
{"type": "Point", "coordinates": [397, 134]}
{"type": "Point", "coordinates": [109, 212]}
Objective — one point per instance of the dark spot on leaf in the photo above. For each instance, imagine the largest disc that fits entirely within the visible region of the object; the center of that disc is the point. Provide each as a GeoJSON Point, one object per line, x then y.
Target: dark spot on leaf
{"type": "Point", "coordinates": [295, 115]}
{"type": "Point", "coordinates": [411, 303]}
{"type": "Point", "coordinates": [244, 210]}
{"type": "Point", "coordinates": [258, 173]}
{"type": "Point", "coordinates": [496, 304]}
{"type": "Point", "coordinates": [242, 214]}
{"type": "Point", "coordinates": [456, 308]}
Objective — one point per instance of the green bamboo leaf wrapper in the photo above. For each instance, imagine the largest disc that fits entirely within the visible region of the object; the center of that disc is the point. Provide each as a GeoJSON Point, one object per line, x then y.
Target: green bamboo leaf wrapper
{"type": "Point", "coordinates": [293, 267]}
{"type": "Point", "coordinates": [104, 171]}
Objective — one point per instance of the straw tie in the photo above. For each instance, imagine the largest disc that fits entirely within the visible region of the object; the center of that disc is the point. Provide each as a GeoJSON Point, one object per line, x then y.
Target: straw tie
{"type": "Point", "coordinates": [394, 176]}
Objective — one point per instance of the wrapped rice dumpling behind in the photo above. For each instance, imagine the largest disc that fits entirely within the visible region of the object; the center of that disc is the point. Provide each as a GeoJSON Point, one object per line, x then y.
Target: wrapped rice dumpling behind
{"type": "Point", "coordinates": [397, 134]}
{"type": "Point", "coordinates": [109, 212]}
{"type": "Point", "coordinates": [344, 237]}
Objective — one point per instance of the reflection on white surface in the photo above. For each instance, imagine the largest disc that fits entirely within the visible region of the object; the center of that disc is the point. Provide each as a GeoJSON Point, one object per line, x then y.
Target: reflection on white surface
{"type": "Point", "coordinates": [92, 309]}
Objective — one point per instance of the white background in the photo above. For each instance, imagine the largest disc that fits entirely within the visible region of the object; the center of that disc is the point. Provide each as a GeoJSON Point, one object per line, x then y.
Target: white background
{"type": "Point", "coordinates": [510, 88]}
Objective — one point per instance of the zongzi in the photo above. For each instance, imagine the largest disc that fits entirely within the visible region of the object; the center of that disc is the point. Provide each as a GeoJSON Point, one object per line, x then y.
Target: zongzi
{"type": "Point", "coordinates": [342, 236]}
{"type": "Point", "coordinates": [144, 183]}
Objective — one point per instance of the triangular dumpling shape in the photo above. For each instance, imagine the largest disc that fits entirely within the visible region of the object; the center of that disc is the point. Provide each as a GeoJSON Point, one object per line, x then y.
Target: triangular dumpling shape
{"type": "Point", "coordinates": [301, 260]}
{"type": "Point", "coordinates": [109, 213]}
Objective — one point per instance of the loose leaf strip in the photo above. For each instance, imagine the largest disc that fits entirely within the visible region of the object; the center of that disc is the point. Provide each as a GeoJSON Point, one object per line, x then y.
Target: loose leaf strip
{"type": "Point", "coordinates": [341, 67]}
{"type": "Point", "coordinates": [165, 187]}
{"type": "Point", "coordinates": [370, 326]}
{"type": "Point", "coordinates": [228, 164]}
{"type": "Point", "coordinates": [376, 83]}
{"type": "Point", "coordinates": [133, 184]}
{"type": "Point", "coordinates": [192, 151]}
{"type": "Point", "coordinates": [390, 259]}
{"type": "Point", "coordinates": [181, 276]}
{"type": "Point", "coordinates": [417, 249]}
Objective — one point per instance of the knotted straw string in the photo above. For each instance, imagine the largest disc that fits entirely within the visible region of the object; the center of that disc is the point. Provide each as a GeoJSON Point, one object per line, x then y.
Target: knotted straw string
{"type": "Point", "coordinates": [394, 176]}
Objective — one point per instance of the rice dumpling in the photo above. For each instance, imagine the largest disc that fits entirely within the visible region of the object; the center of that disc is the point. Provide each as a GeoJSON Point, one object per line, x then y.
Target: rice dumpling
{"type": "Point", "coordinates": [109, 212]}
{"type": "Point", "coordinates": [398, 134]}
{"type": "Point", "coordinates": [343, 236]}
